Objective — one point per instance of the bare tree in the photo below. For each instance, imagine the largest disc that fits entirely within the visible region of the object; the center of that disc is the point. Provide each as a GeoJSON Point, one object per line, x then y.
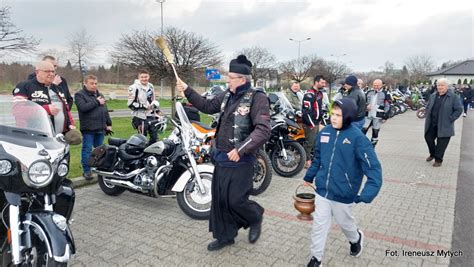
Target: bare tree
{"type": "Point", "coordinates": [418, 66]}
{"type": "Point", "coordinates": [262, 60]}
{"type": "Point", "coordinates": [298, 70]}
{"type": "Point", "coordinates": [331, 70]}
{"type": "Point", "coordinates": [191, 53]}
{"type": "Point", "coordinates": [12, 38]}
{"type": "Point", "coordinates": [81, 46]}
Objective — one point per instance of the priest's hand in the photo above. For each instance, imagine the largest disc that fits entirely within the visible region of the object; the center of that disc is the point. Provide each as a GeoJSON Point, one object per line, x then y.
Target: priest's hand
{"type": "Point", "coordinates": [233, 155]}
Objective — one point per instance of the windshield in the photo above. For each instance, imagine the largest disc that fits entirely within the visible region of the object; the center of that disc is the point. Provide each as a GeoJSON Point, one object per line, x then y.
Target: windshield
{"type": "Point", "coordinates": [283, 101]}
{"type": "Point", "coordinates": [23, 116]}
{"type": "Point", "coordinates": [186, 126]}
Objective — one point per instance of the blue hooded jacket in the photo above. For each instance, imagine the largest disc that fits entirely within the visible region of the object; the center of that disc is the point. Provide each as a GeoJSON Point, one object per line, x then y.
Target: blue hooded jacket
{"type": "Point", "coordinates": [341, 158]}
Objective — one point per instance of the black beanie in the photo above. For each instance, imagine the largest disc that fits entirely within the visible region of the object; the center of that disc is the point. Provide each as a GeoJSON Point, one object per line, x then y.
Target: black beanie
{"type": "Point", "coordinates": [241, 65]}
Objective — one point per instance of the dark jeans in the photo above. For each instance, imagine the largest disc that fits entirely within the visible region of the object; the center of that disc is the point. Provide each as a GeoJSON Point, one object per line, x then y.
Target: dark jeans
{"type": "Point", "coordinates": [466, 107]}
{"type": "Point", "coordinates": [437, 148]}
{"type": "Point", "coordinates": [359, 123]}
{"type": "Point", "coordinates": [88, 140]}
{"type": "Point", "coordinates": [144, 128]}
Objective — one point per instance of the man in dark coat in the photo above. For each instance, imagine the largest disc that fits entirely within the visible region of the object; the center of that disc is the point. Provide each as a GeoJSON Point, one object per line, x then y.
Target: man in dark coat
{"type": "Point", "coordinates": [467, 95]}
{"type": "Point", "coordinates": [243, 127]}
{"type": "Point", "coordinates": [443, 108]}
{"type": "Point", "coordinates": [354, 92]}
{"type": "Point", "coordinates": [94, 119]}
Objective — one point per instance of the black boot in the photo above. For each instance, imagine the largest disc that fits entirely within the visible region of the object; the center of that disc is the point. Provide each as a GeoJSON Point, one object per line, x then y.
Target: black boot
{"type": "Point", "coordinates": [218, 244]}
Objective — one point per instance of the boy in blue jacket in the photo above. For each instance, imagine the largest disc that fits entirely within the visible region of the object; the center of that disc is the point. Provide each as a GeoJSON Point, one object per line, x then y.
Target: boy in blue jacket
{"type": "Point", "coordinates": [342, 156]}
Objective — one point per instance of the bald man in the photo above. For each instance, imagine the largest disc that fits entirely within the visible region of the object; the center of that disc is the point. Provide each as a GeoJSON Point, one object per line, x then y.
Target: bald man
{"type": "Point", "coordinates": [378, 105]}
{"type": "Point", "coordinates": [45, 93]}
{"type": "Point", "coordinates": [58, 80]}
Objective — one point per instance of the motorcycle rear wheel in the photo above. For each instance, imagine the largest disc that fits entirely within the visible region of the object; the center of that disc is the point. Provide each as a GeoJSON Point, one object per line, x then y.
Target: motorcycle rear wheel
{"type": "Point", "coordinates": [293, 164]}
{"type": "Point", "coordinates": [109, 189]}
{"type": "Point", "coordinates": [192, 202]}
{"type": "Point", "coordinates": [262, 173]}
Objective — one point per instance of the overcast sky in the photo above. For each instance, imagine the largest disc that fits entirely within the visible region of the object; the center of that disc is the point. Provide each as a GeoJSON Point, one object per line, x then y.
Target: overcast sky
{"type": "Point", "coordinates": [369, 32]}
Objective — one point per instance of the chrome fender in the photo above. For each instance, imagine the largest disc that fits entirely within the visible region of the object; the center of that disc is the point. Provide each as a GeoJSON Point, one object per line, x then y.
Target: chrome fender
{"type": "Point", "coordinates": [184, 178]}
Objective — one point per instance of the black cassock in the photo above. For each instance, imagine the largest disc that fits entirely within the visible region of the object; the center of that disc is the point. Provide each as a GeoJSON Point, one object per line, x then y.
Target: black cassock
{"type": "Point", "coordinates": [231, 208]}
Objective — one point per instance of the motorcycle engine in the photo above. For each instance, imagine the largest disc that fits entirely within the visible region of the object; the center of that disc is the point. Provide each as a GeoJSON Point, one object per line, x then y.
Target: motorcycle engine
{"type": "Point", "coordinates": [144, 180]}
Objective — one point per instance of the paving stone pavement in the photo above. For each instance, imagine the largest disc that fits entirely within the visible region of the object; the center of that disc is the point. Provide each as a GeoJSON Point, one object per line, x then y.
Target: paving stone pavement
{"type": "Point", "coordinates": [413, 212]}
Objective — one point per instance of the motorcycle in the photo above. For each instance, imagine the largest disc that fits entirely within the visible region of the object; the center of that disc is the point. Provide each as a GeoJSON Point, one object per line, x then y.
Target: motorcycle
{"type": "Point", "coordinates": [36, 198]}
{"type": "Point", "coordinates": [262, 171]}
{"type": "Point", "coordinates": [287, 155]}
{"type": "Point", "coordinates": [164, 169]}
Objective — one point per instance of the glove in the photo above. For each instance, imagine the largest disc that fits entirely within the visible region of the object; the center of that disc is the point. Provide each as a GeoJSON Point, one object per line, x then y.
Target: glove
{"type": "Point", "coordinates": [109, 132]}
{"type": "Point", "coordinates": [357, 199]}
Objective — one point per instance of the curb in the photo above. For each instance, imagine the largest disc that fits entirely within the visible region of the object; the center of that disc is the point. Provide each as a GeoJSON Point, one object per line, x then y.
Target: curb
{"type": "Point", "coordinates": [80, 181]}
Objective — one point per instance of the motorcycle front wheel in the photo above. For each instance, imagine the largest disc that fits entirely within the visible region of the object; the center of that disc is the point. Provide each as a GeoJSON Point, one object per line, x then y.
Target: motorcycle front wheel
{"type": "Point", "coordinates": [293, 163]}
{"type": "Point", "coordinates": [262, 173]}
{"type": "Point", "coordinates": [37, 255]}
{"type": "Point", "coordinates": [421, 113]}
{"type": "Point", "coordinates": [192, 202]}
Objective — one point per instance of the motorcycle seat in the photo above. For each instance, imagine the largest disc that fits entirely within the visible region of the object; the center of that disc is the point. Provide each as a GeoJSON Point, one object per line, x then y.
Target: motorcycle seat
{"type": "Point", "coordinates": [122, 153]}
{"type": "Point", "coordinates": [116, 141]}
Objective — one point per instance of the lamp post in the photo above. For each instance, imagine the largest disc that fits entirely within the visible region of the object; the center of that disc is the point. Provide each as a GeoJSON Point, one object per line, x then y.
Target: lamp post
{"type": "Point", "coordinates": [161, 9]}
{"type": "Point", "coordinates": [337, 57]}
{"type": "Point", "coordinates": [299, 48]}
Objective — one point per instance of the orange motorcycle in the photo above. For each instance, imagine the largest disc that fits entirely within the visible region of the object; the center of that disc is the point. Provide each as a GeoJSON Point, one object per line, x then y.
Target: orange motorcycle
{"type": "Point", "coordinates": [205, 134]}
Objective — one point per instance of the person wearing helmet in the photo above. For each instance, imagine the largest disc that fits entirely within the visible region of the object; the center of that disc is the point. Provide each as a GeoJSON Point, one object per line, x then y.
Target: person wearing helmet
{"type": "Point", "coordinates": [142, 102]}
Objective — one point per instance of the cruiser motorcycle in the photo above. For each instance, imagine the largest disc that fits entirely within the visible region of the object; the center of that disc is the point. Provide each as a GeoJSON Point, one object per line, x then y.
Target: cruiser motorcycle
{"type": "Point", "coordinates": [262, 175]}
{"type": "Point", "coordinates": [36, 198]}
{"type": "Point", "coordinates": [164, 169]}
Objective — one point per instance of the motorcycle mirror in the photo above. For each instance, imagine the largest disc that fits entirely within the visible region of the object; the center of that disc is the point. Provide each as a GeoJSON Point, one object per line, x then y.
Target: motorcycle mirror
{"type": "Point", "coordinates": [60, 138]}
{"type": "Point", "coordinates": [273, 98]}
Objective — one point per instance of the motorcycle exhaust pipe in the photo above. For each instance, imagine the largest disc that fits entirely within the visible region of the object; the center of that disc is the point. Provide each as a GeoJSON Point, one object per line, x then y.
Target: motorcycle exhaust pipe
{"type": "Point", "coordinates": [117, 175]}
{"type": "Point", "coordinates": [126, 184]}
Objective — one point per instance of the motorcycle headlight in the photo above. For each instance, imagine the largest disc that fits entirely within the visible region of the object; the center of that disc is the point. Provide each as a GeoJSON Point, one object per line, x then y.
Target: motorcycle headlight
{"type": "Point", "coordinates": [5, 166]}
{"type": "Point", "coordinates": [63, 170]}
{"type": "Point", "coordinates": [39, 174]}
{"type": "Point", "coordinates": [60, 222]}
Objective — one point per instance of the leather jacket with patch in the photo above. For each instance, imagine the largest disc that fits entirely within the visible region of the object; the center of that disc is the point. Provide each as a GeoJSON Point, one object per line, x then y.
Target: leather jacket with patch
{"type": "Point", "coordinates": [39, 93]}
{"type": "Point", "coordinates": [252, 110]}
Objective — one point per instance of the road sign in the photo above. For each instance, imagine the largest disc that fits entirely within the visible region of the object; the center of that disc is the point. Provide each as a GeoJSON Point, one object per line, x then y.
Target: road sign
{"type": "Point", "coordinates": [213, 74]}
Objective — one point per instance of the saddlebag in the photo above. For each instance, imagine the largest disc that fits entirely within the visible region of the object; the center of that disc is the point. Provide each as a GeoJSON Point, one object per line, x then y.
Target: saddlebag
{"type": "Point", "coordinates": [103, 157]}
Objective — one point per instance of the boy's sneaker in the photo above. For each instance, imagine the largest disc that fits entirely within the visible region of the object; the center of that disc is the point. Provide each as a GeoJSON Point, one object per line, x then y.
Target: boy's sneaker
{"type": "Point", "coordinates": [356, 248]}
{"type": "Point", "coordinates": [314, 262]}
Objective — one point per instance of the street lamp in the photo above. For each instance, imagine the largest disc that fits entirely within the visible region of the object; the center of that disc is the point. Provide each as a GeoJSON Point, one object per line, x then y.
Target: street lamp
{"type": "Point", "coordinates": [161, 9]}
{"type": "Point", "coordinates": [299, 44]}
{"type": "Point", "coordinates": [299, 47]}
{"type": "Point", "coordinates": [337, 57]}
